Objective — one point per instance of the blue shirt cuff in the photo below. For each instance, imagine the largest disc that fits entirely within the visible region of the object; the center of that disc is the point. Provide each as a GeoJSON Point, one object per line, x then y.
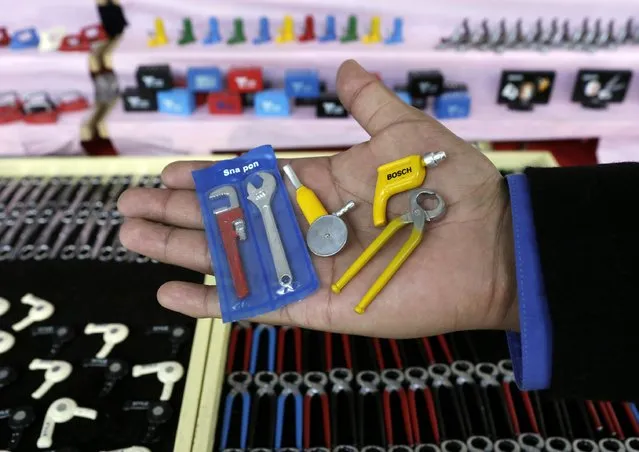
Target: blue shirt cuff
{"type": "Point", "coordinates": [531, 348]}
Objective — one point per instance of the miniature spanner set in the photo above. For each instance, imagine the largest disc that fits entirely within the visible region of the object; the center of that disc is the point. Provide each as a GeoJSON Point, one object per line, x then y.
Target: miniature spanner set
{"type": "Point", "coordinates": [259, 256]}
{"type": "Point", "coordinates": [260, 259]}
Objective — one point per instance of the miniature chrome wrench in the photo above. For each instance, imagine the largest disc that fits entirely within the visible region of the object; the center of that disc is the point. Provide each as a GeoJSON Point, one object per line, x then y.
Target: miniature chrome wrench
{"type": "Point", "coordinates": [230, 220]}
{"type": "Point", "coordinates": [262, 197]}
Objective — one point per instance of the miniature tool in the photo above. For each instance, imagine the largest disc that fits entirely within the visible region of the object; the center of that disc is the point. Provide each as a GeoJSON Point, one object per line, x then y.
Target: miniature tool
{"type": "Point", "coordinates": [40, 310]}
{"type": "Point", "coordinates": [6, 341]}
{"type": "Point", "coordinates": [4, 306]}
{"type": "Point", "coordinates": [261, 198]}
{"type": "Point", "coordinates": [19, 419]}
{"type": "Point", "coordinates": [114, 371]}
{"type": "Point", "coordinates": [60, 335]}
{"type": "Point", "coordinates": [157, 413]}
{"type": "Point", "coordinates": [169, 373]}
{"type": "Point", "coordinates": [417, 216]}
{"type": "Point", "coordinates": [399, 176]}
{"type": "Point", "coordinates": [7, 376]}
{"type": "Point", "coordinates": [55, 372]}
{"type": "Point", "coordinates": [178, 335]}
{"type": "Point", "coordinates": [112, 334]}
{"type": "Point", "coordinates": [327, 233]}
{"type": "Point", "coordinates": [230, 221]}
{"type": "Point", "coordinates": [60, 412]}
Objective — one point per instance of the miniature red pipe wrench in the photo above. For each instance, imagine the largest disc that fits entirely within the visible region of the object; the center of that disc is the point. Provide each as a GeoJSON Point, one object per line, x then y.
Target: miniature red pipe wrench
{"type": "Point", "coordinates": [230, 221]}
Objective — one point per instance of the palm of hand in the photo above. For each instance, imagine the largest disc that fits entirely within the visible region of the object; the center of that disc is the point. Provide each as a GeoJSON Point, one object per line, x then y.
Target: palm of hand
{"type": "Point", "coordinates": [457, 278]}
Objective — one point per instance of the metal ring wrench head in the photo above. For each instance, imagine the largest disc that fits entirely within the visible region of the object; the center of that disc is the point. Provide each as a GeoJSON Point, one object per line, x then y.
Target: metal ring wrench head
{"type": "Point", "coordinates": [266, 382]}
{"type": "Point", "coordinates": [505, 367]}
{"type": "Point", "coordinates": [417, 377]}
{"type": "Point", "coordinates": [440, 373]}
{"type": "Point", "coordinates": [488, 373]}
{"type": "Point", "coordinates": [479, 443]}
{"type": "Point", "coordinates": [261, 197]}
{"type": "Point", "coordinates": [453, 445]}
{"type": "Point", "coordinates": [341, 379]}
{"type": "Point", "coordinates": [239, 381]}
{"type": "Point", "coordinates": [506, 445]}
{"type": "Point", "coordinates": [463, 371]}
{"type": "Point", "coordinates": [557, 444]}
{"type": "Point", "coordinates": [315, 383]}
{"type": "Point", "coordinates": [368, 382]}
{"type": "Point", "coordinates": [611, 445]}
{"type": "Point", "coordinates": [290, 382]}
{"type": "Point", "coordinates": [587, 445]}
{"type": "Point", "coordinates": [392, 379]}
{"type": "Point", "coordinates": [532, 442]}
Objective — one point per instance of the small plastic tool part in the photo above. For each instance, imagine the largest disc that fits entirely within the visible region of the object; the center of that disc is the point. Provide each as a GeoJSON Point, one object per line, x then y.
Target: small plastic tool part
{"type": "Point", "coordinates": [168, 373]}
{"type": "Point", "coordinates": [308, 34]}
{"type": "Point", "coordinates": [286, 33]}
{"type": "Point", "coordinates": [26, 38]}
{"type": "Point", "coordinates": [40, 310]}
{"type": "Point", "coordinates": [374, 35]}
{"type": "Point", "coordinates": [330, 33]}
{"type": "Point", "coordinates": [238, 36]}
{"type": "Point", "coordinates": [397, 34]}
{"type": "Point", "coordinates": [263, 31]}
{"type": "Point", "coordinates": [112, 334]}
{"type": "Point", "coordinates": [55, 372]}
{"type": "Point", "coordinates": [158, 36]}
{"type": "Point", "coordinates": [4, 306]}
{"type": "Point", "coordinates": [187, 35]}
{"type": "Point", "coordinates": [350, 32]}
{"type": "Point", "coordinates": [51, 39]}
{"type": "Point", "coordinates": [6, 341]}
{"type": "Point", "coordinates": [213, 36]}
{"type": "Point", "coordinates": [60, 412]}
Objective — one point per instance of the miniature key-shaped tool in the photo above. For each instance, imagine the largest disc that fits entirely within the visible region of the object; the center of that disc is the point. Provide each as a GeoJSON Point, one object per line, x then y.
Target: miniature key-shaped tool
{"type": "Point", "coordinates": [18, 419]}
{"type": "Point", "coordinates": [114, 371]}
{"type": "Point", "coordinates": [400, 176]}
{"type": "Point", "coordinates": [230, 220]}
{"type": "Point", "coordinates": [158, 413]}
{"type": "Point", "coordinates": [60, 335]}
{"type": "Point", "coordinates": [178, 335]}
{"type": "Point", "coordinates": [6, 341]}
{"type": "Point", "coordinates": [40, 310]}
{"type": "Point", "coordinates": [418, 217]}
{"type": "Point", "coordinates": [7, 376]}
{"type": "Point", "coordinates": [4, 306]}
{"type": "Point", "coordinates": [112, 334]}
{"type": "Point", "coordinates": [261, 198]}
{"type": "Point", "coordinates": [169, 373]}
{"type": "Point", "coordinates": [55, 372]}
{"type": "Point", "coordinates": [60, 412]}
{"type": "Point", "coordinates": [327, 233]}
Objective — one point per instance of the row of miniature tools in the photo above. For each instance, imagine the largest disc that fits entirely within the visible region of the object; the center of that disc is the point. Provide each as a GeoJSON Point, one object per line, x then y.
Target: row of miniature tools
{"type": "Point", "coordinates": [541, 36]}
{"type": "Point", "coordinates": [328, 233]}
{"type": "Point", "coordinates": [476, 407]}
{"type": "Point", "coordinates": [65, 409]}
{"type": "Point", "coordinates": [64, 218]}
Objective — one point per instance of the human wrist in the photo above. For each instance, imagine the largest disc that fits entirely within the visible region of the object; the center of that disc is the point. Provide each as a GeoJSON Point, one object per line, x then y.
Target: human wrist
{"type": "Point", "coordinates": [507, 317]}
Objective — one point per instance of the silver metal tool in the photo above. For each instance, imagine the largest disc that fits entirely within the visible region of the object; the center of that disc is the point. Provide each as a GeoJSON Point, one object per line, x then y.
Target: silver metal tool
{"type": "Point", "coordinates": [584, 445]}
{"type": "Point", "coordinates": [479, 443]}
{"type": "Point", "coordinates": [611, 445]}
{"type": "Point", "coordinates": [41, 248]}
{"type": "Point", "coordinates": [557, 444]}
{"type": "Point", "coordinates": [327, 234]}
{"type": "Point", "coordinates": [29, 231]}
{"type": "Point", "coordinates": [453, 445]}
{"type": "Point", "coordinates": [261, 198]}
{"type": "Point", "coordinates": [531, 442]}
{"type": "Point", "coordinates": [506, 445]}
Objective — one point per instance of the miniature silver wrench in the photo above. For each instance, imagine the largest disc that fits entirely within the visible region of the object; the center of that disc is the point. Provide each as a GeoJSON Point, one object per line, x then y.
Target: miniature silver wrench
{"type": "Point", "coordinates": [262, 197]}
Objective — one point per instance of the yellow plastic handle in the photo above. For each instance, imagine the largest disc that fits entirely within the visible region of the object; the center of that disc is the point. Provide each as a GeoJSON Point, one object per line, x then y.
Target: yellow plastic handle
{"type": "Point", "coordinates": [368, 254]}
{"type": "Point", "coordinates": [309, 203]}
{"type": "Point", "coordinates": [394, 265]}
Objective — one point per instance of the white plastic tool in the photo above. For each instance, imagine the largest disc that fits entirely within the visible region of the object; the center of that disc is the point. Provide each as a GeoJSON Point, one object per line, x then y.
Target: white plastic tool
{"type": "Point", "coordinates": [6, 341]}
{"type": "Point", "coordinates": [4, 306]}
{"type": "Point", "coordinates": [40, 310]}
{"type": "Point", "coordinates": [59, 412]}
{"type": "Point", "coordinates": [56, 371]}
{"type": "Point", "coordinates": [51, 39]}
{"type": "Point", "coordinates": [169, 373]}
{"type": "Point", "coordinates": [112, 334]}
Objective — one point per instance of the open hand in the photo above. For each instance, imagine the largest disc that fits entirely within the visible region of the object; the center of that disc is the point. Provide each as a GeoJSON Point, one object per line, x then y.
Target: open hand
{"type": "Point", "coordinates": [460, 277]}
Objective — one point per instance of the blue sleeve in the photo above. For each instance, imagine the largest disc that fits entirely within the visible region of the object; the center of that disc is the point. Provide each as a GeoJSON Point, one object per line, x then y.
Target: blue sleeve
{"type": "Point", "coordinates": [531, 348]}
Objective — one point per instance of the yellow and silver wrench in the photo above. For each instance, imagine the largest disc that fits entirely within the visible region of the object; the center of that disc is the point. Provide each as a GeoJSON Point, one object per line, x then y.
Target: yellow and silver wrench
{"type": "Point", "coordinates": [418, 217]}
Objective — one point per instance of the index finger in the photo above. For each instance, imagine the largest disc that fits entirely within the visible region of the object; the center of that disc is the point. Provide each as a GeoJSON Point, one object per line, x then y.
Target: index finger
{"type": "Point", "coordinates": [178, 174]}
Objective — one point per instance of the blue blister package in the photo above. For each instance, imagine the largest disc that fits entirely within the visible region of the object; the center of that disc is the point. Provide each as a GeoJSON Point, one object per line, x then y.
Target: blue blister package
{"type": "Point", "coordinates": [260, 259]}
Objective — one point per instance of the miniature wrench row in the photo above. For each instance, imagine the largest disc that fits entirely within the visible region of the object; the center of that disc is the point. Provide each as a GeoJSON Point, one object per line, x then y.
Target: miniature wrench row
{"type": "Point", "coordinates": [65, 409]}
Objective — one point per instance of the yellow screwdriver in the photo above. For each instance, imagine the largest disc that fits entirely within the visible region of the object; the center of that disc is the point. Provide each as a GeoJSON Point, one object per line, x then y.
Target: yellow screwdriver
{"type": "Point", "coordinates": [327, 233]}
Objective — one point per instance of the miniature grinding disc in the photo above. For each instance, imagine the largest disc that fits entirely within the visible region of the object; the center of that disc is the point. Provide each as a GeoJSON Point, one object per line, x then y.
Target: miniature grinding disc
{"type": "Point", "coordinates": [327, 235]}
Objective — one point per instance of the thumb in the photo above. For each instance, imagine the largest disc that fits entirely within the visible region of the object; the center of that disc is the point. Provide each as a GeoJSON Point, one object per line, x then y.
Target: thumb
{"type": "Point", "coordinates": [371, 103]}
